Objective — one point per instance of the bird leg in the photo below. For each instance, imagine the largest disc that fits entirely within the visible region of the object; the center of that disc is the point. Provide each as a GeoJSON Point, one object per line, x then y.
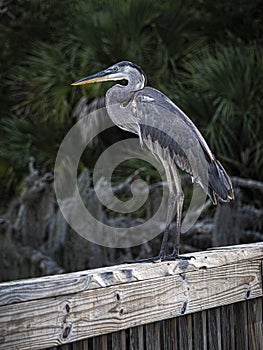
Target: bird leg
{"type": "Point", "coordinates": [172, 199]}
{"type": "Point", "coordinates": [177, 232]}
{"type": "Point", "coordinates": [179, 208]}
{"type": "Point", "coordinates": [169, 217]}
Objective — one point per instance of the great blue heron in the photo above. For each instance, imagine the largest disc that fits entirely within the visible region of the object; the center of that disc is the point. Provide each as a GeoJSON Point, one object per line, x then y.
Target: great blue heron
{"type": "Point", "coordinates": [169, 134]}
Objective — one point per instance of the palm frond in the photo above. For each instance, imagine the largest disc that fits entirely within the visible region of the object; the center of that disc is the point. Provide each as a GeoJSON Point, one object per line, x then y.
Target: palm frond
{"type": "Point", "coordinates": [41, 85]}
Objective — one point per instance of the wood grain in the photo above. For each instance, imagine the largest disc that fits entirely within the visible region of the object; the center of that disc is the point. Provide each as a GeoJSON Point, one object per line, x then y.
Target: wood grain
{"type": "Point", "coordinates": [255, 326]}
{"type": "Point", "coordinates": [64, 284]}
{"type": "Point", "coordinates": [170, 334]}
{"type": "Point", "coordinates": [136, 338]}
{"type": "Point", "coordinates": [118, 340]}
{"type": "Point", "coordinates": [107, 300]}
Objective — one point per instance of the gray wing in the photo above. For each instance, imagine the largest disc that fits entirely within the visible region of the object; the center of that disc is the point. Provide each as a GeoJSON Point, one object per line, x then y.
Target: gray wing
{"type": "Point", "coordinates": [162, 123]}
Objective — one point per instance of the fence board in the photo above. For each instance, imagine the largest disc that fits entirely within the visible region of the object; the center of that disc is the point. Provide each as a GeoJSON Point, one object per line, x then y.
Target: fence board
{"type": "Point", "coordinates": [65, 284]}
{"type": "Point", "coordinates": [120, 297]}
{"type": "Point", "coordinates": [197, 323]}
{"type": "Point", "coordinates": [136, 338]}
{"type": "Point", "coordinates": [119, 340]}
{"type": "Point", "coordinates": [214, 329]}
{"type": "Point", "coordinates": [185, 332]}
{"type": "Point", "coordinates": [255, 326]}
{"type": "Point", "coordinates": [240, 322]}
{"type": "Point", "coordinates": [170, 334]}
{"type": "Point", "coordinates": [152, 336]}
{"type": "Point", "coordinates": [100, 342]}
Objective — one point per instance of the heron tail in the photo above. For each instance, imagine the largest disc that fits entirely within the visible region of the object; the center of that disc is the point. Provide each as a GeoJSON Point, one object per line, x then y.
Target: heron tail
{"type": "Point", "coordinates": [220, 186]}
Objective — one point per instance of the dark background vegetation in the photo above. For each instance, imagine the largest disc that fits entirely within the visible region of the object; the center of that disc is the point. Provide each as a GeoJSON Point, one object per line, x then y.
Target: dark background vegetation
{"type": "Point", "coordinates": [205, 55]}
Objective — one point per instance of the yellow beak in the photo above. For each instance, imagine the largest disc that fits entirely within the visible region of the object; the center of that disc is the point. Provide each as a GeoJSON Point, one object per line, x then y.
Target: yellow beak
{"type": "Point", "coordinates": [95, 78]}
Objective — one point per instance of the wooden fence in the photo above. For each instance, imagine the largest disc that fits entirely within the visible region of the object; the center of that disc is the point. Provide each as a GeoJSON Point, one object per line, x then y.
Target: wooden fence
{"type": "Point", "coordinates": [211, 302]}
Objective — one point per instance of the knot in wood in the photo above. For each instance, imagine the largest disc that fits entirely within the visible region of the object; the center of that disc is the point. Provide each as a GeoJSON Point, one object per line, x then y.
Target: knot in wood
{"type": "Point", "coordinates": [66, 330]}
{"type": "Point", "coordinates": [183, 307]}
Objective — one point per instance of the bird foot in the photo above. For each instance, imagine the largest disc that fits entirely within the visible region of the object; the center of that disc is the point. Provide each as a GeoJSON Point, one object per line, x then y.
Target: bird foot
{"type": "Point", "coordinates": [159, 258]}
{"type": "Point", "coordinates": [177, 257]}
{"type": "Point", "coordinates": [152, 259]}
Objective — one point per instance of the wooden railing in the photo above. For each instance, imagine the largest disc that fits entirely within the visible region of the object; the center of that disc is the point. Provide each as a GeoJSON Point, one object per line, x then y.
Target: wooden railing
{"type": "Point", "coordinates": [211, 302]}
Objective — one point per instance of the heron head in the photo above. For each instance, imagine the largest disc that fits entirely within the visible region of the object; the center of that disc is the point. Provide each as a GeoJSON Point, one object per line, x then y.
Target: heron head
{"type": "Point", "coordinates": [119, 71]}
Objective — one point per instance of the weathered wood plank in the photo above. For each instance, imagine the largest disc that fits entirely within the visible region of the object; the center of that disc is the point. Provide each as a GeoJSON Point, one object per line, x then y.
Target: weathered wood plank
{"type": "Point", "coordinates": [204, 323]}
{"type": "Point", "coordinates": [241, 336]}
{"type": "Point", "coordinates": [52, 286]}
{"type": "Point", "coordinates": [100, 343]}
{"type": "Point", "coordinates": [197, 331]}
{"type": "Point", "coordinates": [136, 338]}
{"type": "Point", "coordinates": [185, 332]}
{"type": "Point", "coordinates": [255, 326]}
{"type": "Point", "coordinates": [214, 329]}
{"type": "Point", "coordinates": [227, 327]}
{"type": "Point", "coordinates": [152, 340]}
{"type": "Point", "coordinates": [119, 340]}
{"type": "Point", "coordinates": [81, 345]}
{"type": "Point", "coordinates": [52, 321]}
{"type": "Point", "coordinates": [125, 296]}
{"type": "Point", "coordinates": [170, 334]}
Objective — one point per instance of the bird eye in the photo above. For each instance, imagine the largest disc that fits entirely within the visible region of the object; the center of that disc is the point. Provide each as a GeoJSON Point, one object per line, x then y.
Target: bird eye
{"type": "Point", "coordinates": [115, 69]}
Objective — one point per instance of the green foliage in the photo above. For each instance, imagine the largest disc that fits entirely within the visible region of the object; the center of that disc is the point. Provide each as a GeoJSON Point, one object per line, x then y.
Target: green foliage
{"type": "Point", "coordinates": [114, 31]}
{"type": "Point", "coordinates": [225, 93]}
{"type": "Point", "coordinates": [206, 56]}
{"type": "Point", "coordinates": [41, 87]}
{"type": "Point", "coordinates": [22, 138]}
{"type": "Point", "coordinates": [238, 21]}
{"type": "Point", "coordinates": [23, 23]}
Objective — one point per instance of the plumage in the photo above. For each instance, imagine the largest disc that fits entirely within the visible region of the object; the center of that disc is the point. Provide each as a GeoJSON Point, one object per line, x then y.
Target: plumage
{"type": "Point", "coordinates": [161, 120]}
{"type": "Point", "coordinates": [168, 133]}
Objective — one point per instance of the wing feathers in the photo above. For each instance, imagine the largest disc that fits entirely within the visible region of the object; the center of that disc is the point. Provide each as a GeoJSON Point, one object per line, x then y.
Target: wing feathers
{"type": "Point", "coordinates": [219, 183]}
{"type": "Point", "coordinates": [172, 129]}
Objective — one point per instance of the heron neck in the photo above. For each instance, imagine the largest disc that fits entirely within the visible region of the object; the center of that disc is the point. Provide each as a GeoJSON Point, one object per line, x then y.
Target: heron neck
{"type": "Point", "coordinates": [118, 100]}
{"type": "Point", "coordinates": [122, 94]}
{"type": "Point", "coordinates": [119, 94]}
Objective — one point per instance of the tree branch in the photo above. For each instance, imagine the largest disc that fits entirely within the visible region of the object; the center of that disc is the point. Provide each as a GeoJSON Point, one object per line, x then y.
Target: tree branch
{"type": "Point", "coordinates": [248, 183]}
